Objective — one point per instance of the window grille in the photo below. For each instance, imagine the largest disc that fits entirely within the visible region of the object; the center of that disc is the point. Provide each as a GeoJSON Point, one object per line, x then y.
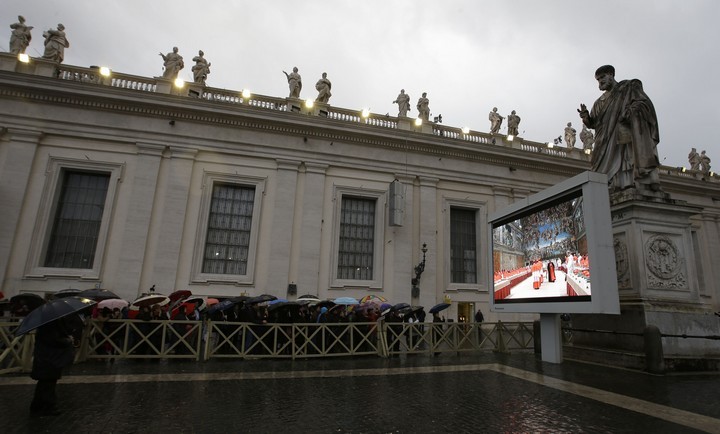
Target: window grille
{"type": "Point", "coordinates": [78, 216]}
{"type": "Point", "coordinates": [357, 239]}
{"type": "Point", "coordinates": [463, 246]}
{"type": "Point", "coordinates": [228, 234]}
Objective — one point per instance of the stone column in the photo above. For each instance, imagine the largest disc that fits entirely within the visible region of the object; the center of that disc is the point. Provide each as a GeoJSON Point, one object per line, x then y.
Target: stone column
{"type": "Point", "coordinates": [281, 227]}
{"type": "Point", "coordinates": [167, 221]}
{"type": "Point", "coordinates": [17, 152]}
{"type": "Point", "coordinates": [307, 231]}
{"type": "Point", "coordinates": [133, 220]}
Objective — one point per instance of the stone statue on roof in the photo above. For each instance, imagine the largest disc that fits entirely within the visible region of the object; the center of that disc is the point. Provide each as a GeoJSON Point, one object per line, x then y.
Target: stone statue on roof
{"type": "Point", "coordinates": [587, 138]}
{"type": "Point", "coordinates": [704, 162]}
{"type": "Point", "coordinates": [294, 82]}
{"type": "Point", "coordinates": [173, 64]}
{"type": "Point", "coordinates": [55, 44]}
{"type": "Point", "coordinates": [20, 36]}
{"type": "Point", "coordinates": [323, 87]}
{"type": "Point", "coordinates": [570, 134]}
{"type": "Point", "coordinates": [403, 102]}
{"type": "Point", "coordinates": [495, 121]}
{"type": "Point", "coordinates": [694, 159]}
{"type": "Point", "coordinates": [513, 122]}
{"type": "Point", "coordinates": [423, 107]}
{"type": "Point", "coordinates": [201, 69]}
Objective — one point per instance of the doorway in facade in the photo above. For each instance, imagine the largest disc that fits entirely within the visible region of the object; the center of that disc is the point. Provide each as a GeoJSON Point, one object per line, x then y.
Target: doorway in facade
{"type": "Point", "coordinates": [466, 312]}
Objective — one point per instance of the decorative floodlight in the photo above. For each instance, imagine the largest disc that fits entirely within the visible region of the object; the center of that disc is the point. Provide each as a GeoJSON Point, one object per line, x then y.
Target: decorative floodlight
{"type": "Point", "coordinates": [24, 58]}
{"type": "Point", "coordinates": [105, 71]}
{"type": "Point", "coordinates": [418, 122]}
{"type": "Point", "coordinates": [465, 130]}
{"type": "Point", "coordinates": [588, 151]}
{"type": "Point", "coordinates": [246, 94]}
{"type": "Point", "coordinates": [712, 174]}
{"type": "Point", "coordinates": [683, 170]}
{"type": "Point", "coordinates": [309, 103]}
{"type": "Point", "coordinates": [510, 137]}
{"type": "Point", "coordinates": [550, 145]}
{"type": "Point", "coordinates": [365, 113]}
{"type": "Point", "coordinates": [179, 83]}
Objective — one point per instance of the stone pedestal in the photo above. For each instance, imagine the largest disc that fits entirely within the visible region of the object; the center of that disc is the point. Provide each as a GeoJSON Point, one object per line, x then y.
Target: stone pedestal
{"type": "Point", "coordinates": [195, 90]}
{"type": "Point", "coordinates": [8, 62]}
{"type": "Point", "coordinates": [295, 105]}
{"type": "Point", "coordinates": [163, 85]}
{"type": "Point", "coordinates": [657, 281]}
{"type": "Point", "coordinates": [44, 67]}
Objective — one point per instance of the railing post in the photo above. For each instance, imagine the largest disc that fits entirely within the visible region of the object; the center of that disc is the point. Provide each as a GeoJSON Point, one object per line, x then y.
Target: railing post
{"type": "Point", "coordinates": [500, 339]}
{"type": "Point", "coordinates": [654, 358]}
{"type": "Point", "coordinates": [28, 346]}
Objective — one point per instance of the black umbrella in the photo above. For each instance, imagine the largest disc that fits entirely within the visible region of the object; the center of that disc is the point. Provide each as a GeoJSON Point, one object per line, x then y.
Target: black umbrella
{"type": "Point", "coordinates": [52, 311]}
{"type": "Point", "coordinates": [260, 299]}
{"type": "Point", "coordinates": [400, 306]}
{"type": "Point", "coordinates": [98, 294]}
{"type": "Point", "coordinates": [439, 307]}
{"type": "Point", "coordinates": [70, 292]}
{"type": "Point", "coordinates": [284, 305]}
{"type": "Point", "coordinates": [23, 304]}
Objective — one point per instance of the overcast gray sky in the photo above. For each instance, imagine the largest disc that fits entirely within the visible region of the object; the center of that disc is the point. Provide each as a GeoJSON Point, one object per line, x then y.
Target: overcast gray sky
{"type": "Point", "coordinates": [535, 57]}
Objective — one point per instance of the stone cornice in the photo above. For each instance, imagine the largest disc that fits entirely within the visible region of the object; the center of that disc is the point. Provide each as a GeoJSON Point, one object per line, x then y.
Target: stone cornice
{"type": "Point", "coordinates": [95, 97]}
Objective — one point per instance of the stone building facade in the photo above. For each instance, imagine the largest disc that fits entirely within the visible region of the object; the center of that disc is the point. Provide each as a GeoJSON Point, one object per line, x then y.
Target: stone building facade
{"type": "Point", "coordinates": [125, 182]}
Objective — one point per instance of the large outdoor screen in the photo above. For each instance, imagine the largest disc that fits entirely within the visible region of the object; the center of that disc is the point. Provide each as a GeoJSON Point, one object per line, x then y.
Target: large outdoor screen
{"type": "Point", "coordinates": [552, 252]}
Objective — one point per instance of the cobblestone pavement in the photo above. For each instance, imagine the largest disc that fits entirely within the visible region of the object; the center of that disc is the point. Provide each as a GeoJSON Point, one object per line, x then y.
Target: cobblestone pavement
{"type": "Point", "coordinates": [448, 394]}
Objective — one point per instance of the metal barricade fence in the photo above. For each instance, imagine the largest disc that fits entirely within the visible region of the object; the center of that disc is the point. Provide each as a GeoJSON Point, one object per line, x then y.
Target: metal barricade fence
{"type": "Point", "coordinates": [204, 340]}
{"type": "Point", "coordinates": [15, 352]}
{"type": "Point", "coordinates": [135, 339]}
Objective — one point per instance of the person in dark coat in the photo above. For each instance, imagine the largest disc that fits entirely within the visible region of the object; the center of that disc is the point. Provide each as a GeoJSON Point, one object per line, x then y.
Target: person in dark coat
{"type": "Point", "coordinates": [54, 350]}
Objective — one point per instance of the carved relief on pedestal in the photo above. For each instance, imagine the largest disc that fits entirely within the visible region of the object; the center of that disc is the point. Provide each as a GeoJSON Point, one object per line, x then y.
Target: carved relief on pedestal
{"type": "Point", "coordinates": [622, 262]}
{"type": "Point", "coordinates": [664, 264]}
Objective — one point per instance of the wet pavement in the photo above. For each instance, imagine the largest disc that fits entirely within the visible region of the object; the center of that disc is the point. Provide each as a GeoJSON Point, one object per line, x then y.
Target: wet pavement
{"type": "Point", "coordinates": [482, 393]}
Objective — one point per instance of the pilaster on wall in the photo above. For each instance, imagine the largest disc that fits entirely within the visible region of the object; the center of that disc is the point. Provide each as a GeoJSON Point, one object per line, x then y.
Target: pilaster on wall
{"type": "Point", "coordinates": [401, 253]}
{"type": "Point", "coordinates": [281, 224]}
{"type": "Point", "coordinates": [427, 209]}
{"type": "Point", "coordinates": [17, 151]}
{"type": "Point", "coordinates": [135, 207]}
{"type": "Point", "coordinates": [307, 230]}
{"type": "Point", "coordinates": [167, 221]}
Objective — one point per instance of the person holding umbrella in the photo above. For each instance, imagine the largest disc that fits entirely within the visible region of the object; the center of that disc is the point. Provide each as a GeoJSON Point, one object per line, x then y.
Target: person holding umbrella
{"type": "Point", "coordinates": [59, 326]}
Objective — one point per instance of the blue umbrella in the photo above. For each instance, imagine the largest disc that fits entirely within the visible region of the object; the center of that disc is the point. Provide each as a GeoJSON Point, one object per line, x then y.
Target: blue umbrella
{"type": "Point", "coordinates": [346, 301]}
{"type": "Point", "coordinates": [439, 307]}
{"type": "Point", "coordinates": [52, 311]}
{"type": "Point", "coordinates": [223, 305]}
{"type": "Point", "coordinates": [260, 299]}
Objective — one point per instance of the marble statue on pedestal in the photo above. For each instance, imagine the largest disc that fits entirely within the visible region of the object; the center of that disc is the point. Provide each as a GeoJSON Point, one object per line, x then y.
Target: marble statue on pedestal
{"type": "Point", "coordinates": [570, 134]}
{"type": "Point", "coordinates": [626, 133]}
{"type": "Point", "coordinates": [173, 63]}
{"type": "Point", "coordinates": [201, 69]}
{"type": "Point", "coordinates": [495, 121]}
{"type": "Point", "coordinates": [423, 107]}
{"type": "Point", "coordinates": [513, 121]}
{"type": "Point", "coordinates": [20, 36]}
{"type": "Point", "coordinates": [403, 102]}
{"type": "Point", "coordinates": [704, 162]}
{"type": "Point", "coordinates": [323, 87]}
{"type": "Point", "coordinates": [294, 82]}
{"type": "Point", "coordinates": [587, 138]}
{"type": "Point", "coordinates": [55, 44]}
{"type": "Point", "coordinates": [694, 159]}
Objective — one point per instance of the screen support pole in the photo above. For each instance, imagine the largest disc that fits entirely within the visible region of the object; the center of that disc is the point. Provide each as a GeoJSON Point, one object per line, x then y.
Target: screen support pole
{"type": "Point", "coordinates": [551, 338]}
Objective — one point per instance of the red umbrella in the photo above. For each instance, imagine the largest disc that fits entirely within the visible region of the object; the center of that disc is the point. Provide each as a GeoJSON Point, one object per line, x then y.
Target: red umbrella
{"type": "Point", "coordinates": [149, 300]}
{"type": "Point", "coordinates": [178, 295]}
